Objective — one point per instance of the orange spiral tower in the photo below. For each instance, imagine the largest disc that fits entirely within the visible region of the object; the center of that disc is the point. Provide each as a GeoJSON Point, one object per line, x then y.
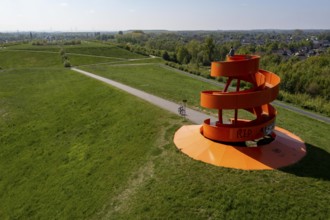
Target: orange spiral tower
{"type": "Point", "coordinates": [220, 142]}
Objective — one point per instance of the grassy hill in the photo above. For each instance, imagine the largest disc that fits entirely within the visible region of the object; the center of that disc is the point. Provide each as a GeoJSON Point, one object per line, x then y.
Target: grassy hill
{"type": "Point", "coordinates": [86, 47]}
{"type": "Point", "coordinates": [168, 84]}
{"type": "Point", "coordinates": [27, 55]}
{"type": "Point", "coordinates": [107, 51]}
{"type": "Point", "coordinates": [68, 143]}
{"type": "Point", "coordinates": [72, 147]}
{"type": "Point", "coordinates": [28, 59]}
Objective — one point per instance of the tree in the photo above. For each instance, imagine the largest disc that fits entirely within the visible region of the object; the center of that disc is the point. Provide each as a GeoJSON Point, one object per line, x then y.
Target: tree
{"type": "Point", "coordinates": [313, 89]}
{"type": "Point", "coordinates": [203, 58]}
{"type": "Point", "coordinates": [193, 48]}
{"type": "Point", "coordinates": [209, 47]}
{"type": "Point", "coordinates": [183, 55]}
{"type": "Point", "coordinates": [165, 56]}
{"type": "Point", "coordinates": [272, 47]}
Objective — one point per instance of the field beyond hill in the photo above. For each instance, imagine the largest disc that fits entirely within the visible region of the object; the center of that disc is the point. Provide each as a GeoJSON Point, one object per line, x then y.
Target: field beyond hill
{"type": "Point", "coordinates": [75, 148]}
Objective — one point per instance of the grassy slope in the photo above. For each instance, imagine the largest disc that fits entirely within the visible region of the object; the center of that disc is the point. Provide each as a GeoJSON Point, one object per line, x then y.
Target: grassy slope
{"type": "Point", "coordinates": [77, 60]}
{"type": "Point", "coordinates": [96, 55]}
{"type": "Point", "coordinates": [54, 48]}
{"type": "Point", "coordinates": [83, 168]}
{"type": "Point", "coordinates": [26, 59]}
{"type": "Point", "coordinates": [156, 80]}
{"type": "Point", "coordinates": [69, 143]}
{"type": "Point", "coordinates": [173, 86]}
{"type": "Point", "coordinates": [86, 53]}
{"type": "Point", "coordinates": [109, 51]}
{"type": "Point", "coordinates": [49, 56]}
{"type": "Point", "coordinates": [183, 188]}
{"type": "Point", "coordinates": [176, 87]}
{"type": "Point", "coordinates": [88, 48]}
{"type": "Point", "coordinates": [49, 48]}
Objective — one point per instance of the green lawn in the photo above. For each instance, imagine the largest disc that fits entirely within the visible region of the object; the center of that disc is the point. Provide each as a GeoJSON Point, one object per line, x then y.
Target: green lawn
{"type": "Point", "coordinates": [27, 55]}
{"type": "Point", "coordinates": [34, 59]}
{"type": "Point", "coordinates": [75, 148]}
{"type": "Point", "coordinates": [27, 59]}
{"type": "Point", "coordinates": [54, 48]}
{"type": "Point", "coordinates": [82, 60]}
{"type": "Point", "coordinates": [187, 190]}
{"type": "Point", "coordinates": [156, 80]}
{"type": "Point", "coordinates": [77, 60]}
{"type": "Point", "coordinates": [86, 47]}
{"type": "Point", "coordinates": [69, 143]}
{"type": "Point", "coordinates": [171, 85]}
{"type": "Point", "coordinates": [29, 46]}
{"type": "Point", "coordinates": [107, 51]}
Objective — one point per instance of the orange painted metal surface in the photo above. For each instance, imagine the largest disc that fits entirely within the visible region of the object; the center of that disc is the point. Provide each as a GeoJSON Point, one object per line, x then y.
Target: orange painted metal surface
{"type": "Point", "coordinates": [265, 88]}
{"type": "Point", "coordinates": [286, 149]}
{"type": "Point", "coordinates": [220, 143]}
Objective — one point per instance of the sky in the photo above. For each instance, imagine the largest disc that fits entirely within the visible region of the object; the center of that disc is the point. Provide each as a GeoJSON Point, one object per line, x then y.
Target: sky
{"type": "Point", "coordinates": [115, 15]}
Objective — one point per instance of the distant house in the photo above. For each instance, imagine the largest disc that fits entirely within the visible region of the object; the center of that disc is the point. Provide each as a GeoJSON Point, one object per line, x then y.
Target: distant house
{"type": "Point", "coordinates": [49, 38]}
{"type": "Point", "coordinates": [325, 43]}
{"type": "Point", "coordinates": [300, 53]}
{"type": "Point", "coordinates": [245, 42]}
{"type": "Point", "coordinates": [286, 53]}
{"type": "Point", "coordinates": [311, 53]}
{"type": "Point", "coordinates": [316, 44]}
{"type": "Point", "coordinates": [320, 43]}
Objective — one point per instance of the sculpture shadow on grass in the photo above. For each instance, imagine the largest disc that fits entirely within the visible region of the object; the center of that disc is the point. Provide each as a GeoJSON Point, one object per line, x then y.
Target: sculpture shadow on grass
{"type": "Point", "coordinates": [315, 164]}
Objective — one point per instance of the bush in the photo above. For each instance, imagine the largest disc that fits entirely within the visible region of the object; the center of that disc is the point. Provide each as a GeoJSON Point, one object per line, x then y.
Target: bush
{"type": "Point", "coordinates": [316, 104]}
{"type": "Point", "coordinates": [165, 56]}
{"type": "Point", "coordinates": [62, 52]}
{"type": "Point", "coordinates": [67, 63]}
{"type": "Point", "coordinates": [65, 57]}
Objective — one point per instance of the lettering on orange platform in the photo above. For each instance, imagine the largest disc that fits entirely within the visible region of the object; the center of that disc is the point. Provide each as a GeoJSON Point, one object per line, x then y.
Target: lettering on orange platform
{"type": "Point", "coordinates": [244, 133]}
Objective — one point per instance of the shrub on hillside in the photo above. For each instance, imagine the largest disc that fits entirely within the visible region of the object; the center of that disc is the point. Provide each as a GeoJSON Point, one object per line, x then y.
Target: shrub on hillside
{"type": "Point", "coordinates": [62, 52]}
{"type": "Point", "coordinates": [67, 63]}
{"type": "Point", "coordinates": [317, 104]}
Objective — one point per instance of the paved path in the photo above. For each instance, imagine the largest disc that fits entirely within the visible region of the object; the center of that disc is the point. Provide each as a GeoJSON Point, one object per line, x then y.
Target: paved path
{"type": "Point", "coordinates": [302, 112]}
{"type": "Point", "coordinates": [194, 116]}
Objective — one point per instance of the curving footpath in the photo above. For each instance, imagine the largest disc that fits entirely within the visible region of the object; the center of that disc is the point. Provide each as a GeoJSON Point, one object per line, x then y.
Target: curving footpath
{"type": "Point", "coordinates": [193, 115]}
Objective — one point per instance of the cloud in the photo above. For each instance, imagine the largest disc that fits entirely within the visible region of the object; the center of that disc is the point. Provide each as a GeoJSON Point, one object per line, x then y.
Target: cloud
{"type": "Point", "coordinates": [64, 4]}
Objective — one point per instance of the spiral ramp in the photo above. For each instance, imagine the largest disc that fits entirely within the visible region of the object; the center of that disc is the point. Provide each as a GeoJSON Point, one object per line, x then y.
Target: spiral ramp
{"type": "Point", "coordinates": [220, 143]}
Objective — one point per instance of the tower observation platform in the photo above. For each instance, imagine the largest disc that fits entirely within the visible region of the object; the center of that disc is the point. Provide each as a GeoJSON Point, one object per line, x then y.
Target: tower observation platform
{"type": "Point", "coordinates": [249, 144]}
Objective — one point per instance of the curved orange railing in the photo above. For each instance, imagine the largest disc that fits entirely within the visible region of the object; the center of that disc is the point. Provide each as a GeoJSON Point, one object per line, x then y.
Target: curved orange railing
{"type": "Point", "coordinates": [255, 100]}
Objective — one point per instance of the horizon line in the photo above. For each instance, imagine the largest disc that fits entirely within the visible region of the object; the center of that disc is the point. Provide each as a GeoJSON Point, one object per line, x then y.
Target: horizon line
{"type": "Point", "coordinates": [169, 30]}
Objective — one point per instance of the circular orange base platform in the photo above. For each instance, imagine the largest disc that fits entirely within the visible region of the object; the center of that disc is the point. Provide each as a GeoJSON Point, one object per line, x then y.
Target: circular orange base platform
{"type": "Point", "coordinates": [286, 149]}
